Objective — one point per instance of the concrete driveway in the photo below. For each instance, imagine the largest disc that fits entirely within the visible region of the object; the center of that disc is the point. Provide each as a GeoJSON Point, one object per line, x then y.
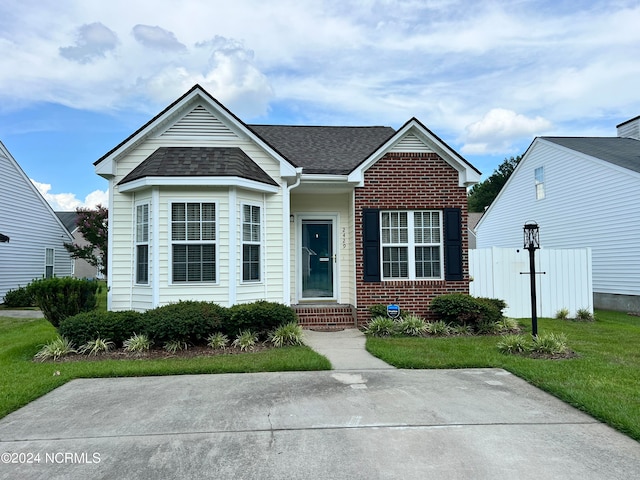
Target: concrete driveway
{"type": "Point", "coordinates": [369, 424]}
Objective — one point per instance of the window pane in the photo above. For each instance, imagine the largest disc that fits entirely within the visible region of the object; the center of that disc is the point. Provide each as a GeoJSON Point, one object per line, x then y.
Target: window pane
{"type": "Point", "coordinates": [193, 230]}
{"type": "Point", "coordinates": [208, 212]}
{"type": "Point", "coordinates": [395, 263]}
{"type": "Point", "coordinates": [179, 263]}
{"type": "Point", "coordinates": [208, 231]}
{"type": "Point", "coordinates": [142, 264]}
{"type": "Point", "coordinates": [427, 262]}
{"type": "Point", "coordinates": [250, 262]}
{"type": "Point", "coordinates": [193, 212]}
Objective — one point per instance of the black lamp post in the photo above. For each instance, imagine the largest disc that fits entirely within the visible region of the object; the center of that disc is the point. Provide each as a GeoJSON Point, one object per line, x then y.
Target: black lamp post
{"type": "Point", "coordinates": [532, 243]}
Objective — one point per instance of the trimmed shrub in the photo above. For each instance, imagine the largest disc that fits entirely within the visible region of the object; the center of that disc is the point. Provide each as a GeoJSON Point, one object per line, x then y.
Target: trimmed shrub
{"type": "Point", "coordinates": [462, 309]}
{"type": "Point", "coordinates": [59, 298]}
{"type": "Point", "coordinates": [20, 297]}
{"type": "Point", "coordinates": [186, 321]}
{"type": "Point", "coordinates": [260, 316]}
{"type": "Point", "coordinates": [114, 326]}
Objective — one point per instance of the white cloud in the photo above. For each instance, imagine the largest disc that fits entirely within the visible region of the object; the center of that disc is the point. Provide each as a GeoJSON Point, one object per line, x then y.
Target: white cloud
{"type": "Point", "coordinates": [93, 40]}
{"type": "Point", "coordinates": [157, 37]}
{"type": "Point", "coordinates": [498, 129]}
{"type": "Point", "coordinates": [67, 202]}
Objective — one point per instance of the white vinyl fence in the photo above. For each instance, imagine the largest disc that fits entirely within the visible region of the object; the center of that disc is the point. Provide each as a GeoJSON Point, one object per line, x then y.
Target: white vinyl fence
{"type": "Point", "coordinates": [496, 273]}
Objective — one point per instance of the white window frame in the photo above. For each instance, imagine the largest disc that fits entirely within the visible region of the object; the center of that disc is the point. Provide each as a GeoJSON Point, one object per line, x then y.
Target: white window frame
{"type": "Point", "coordinates": [141, 239]}
{"type": "Point", "coordinates": [194, 242]}
{"type": "Point", "coordinates": [538, 174]}
{"type": "Point", "coordinates": [50, 261]}
{"type": "Point", "coordinates": [251, 241]}
{"type": "Point", "coordinates": [411, 244]}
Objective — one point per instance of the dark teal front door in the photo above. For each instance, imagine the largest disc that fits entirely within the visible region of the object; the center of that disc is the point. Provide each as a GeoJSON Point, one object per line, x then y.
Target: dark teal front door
{"type": "Point", "coordinates": [317, 259]}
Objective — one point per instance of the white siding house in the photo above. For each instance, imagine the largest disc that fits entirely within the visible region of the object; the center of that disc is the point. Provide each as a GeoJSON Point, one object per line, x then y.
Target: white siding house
{"type": "Point", "coordinates": [205, 207]}
{"type": "Point", "coordinates": [582, 192]}
{"type": "Point", "coordinates": [35, 234]}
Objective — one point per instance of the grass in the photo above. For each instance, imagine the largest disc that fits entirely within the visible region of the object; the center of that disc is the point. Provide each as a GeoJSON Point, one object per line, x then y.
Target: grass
{"type": "Point", "coordinates": [24, 380]}
{"type": "Point", "coordinates": [603, 380]}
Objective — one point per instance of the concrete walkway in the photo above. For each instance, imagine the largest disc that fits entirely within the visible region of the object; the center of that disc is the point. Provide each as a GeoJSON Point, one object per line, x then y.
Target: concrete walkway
{"type": "Point", "coordinates": [345, 349]}
{"type": "Point", "coordinates": [21, 313]}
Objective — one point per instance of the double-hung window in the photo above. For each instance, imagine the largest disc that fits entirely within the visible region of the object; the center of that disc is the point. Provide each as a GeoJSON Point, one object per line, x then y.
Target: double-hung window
{"type": "Point", "coordinates": [193, 242]}
{"type": "Point", "coordinates": [142, 244]}
{"type": "Point", "coordinates": [411, 245]}
{"type": "Point", "coordinates": [539, 178]}
{"type": "Point", "coordinates": [251, 243]}
{"type": "Point", "coordinates": [49, 262]}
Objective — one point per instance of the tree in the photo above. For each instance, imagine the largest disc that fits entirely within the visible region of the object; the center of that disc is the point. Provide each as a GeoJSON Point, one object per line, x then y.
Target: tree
{"type": "Point", "coordinates": [94, 227]}
{"type": "Point", "coordinates": [482, 194]}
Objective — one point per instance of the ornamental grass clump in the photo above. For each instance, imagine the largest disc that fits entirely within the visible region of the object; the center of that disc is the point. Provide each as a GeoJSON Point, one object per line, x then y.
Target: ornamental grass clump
{"type": "Point", "coordinates": [381, 327]}
{"type": "Point", "coordinates": [438, 328]}
{"type": "Point", "coordinates": [412, 325]}
{"type": "Point", "coordinates": [584, 315]}
{"type": "Point", "coordinates": [172, 346]}
{"type": "Point", "coordinates": [56, 348]}
{"type": "Point", "coordinates": [288, 334]}
{"type": "Point", "coordinates": [514, 344]}
{"type": "Point", "coordinates": [246, 340]}
{"type": "Point", "coordinates": [218, 341]}
{"type": "Point", "coordinates": [562, 314]}
{"type": "Point", "coordinates": [94, 347]}
{"type": "Point", "coordinates": [137, 343]}
{"type": "Point", "coordinates": [550, 344]}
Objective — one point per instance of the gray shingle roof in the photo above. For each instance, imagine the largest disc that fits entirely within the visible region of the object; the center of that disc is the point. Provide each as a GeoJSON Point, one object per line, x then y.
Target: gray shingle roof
{"type": "Point", "coordinates": [68, 219]}
{"type": "Point", "coordinates": [624, 152]}
{"type": "Point", "coordinates": [199, 162]}
{"type": "Point", "coordinates": [328, 150]}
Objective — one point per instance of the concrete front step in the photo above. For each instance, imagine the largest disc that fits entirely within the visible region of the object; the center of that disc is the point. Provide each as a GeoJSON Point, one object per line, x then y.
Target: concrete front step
{"type": "Point", "coordinates": [326, 316]}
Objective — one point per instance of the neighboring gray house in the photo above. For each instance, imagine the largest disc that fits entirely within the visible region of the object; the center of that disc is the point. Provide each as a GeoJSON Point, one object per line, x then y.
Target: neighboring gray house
{"type": "Point", "coordinates": [81, 268]}
{"type": "Point", "coordinates": [35, 236]}
{"type": "Point", "coordinates": [583, 192]}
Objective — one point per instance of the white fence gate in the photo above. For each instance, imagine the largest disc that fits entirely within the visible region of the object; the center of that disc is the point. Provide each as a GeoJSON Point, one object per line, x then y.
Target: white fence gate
{"type": "Point", "coordinates": [566, 283]}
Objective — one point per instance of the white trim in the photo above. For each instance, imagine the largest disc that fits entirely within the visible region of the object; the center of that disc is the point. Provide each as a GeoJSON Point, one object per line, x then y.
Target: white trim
{"type": "Point", "coordinates": [334, 218]}
{"type": "Point", "coordinates": [233, 245]}
{"type": "Point", "coordinates": [110, 242]}
{"type": "Point", "coordinates": [154, 278]}
{"type": "Point", "coordinates": [260, 243]}
{"type": "Point", "coordinates": [198, 181]}
{"type": "Point", "coordinates": [286, 240]}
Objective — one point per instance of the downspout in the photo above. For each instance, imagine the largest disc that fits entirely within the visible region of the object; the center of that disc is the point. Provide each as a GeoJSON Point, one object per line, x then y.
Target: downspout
{"type": "Point", "coordinates": [286, 241]}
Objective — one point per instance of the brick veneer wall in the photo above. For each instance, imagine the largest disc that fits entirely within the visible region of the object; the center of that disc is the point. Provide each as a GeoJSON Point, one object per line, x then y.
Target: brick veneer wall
{"type": "Point", "coordinates": [408, 181]}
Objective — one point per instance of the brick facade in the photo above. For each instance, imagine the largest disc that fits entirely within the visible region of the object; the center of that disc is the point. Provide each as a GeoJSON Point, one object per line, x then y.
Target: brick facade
{"type": "Point", "coordinates": [408, 181]}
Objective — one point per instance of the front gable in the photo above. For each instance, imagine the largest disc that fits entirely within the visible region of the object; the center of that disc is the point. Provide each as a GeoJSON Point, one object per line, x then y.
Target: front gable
{"type": "Point", "coordinates": [414, 137]}
{"type": "Point", "coordinates": [195, 119]}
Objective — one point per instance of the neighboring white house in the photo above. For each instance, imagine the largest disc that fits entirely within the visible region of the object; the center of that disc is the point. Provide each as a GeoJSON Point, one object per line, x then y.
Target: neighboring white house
{"type": "Point", "coordinates": [332, 219]}
{"type": "Point", "coordinates": [582, 192]}
{"type": "Point", "coordinates": [36, 236]}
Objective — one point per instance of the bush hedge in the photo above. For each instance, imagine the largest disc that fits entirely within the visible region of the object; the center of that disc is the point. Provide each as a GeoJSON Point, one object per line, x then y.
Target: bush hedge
{"type": "Point", "coordinates": [463, 309]}
{"type": "Point", "coordinates": [114, 326]}
{"type": "Point", "coordinates": [20, 297]}
{"type": "Point", "coordinates": [62, 297]}
{"type": "Point", "coordinates": [186, 321]}
{"type": "Point", "coordinates": [189, 322]}
{"type": "Point", "coordinates": [260, 316]}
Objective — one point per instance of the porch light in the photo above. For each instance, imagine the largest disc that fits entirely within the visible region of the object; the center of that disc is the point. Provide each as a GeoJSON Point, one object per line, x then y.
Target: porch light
{"type": "Point", "coordinates": [531, 236]}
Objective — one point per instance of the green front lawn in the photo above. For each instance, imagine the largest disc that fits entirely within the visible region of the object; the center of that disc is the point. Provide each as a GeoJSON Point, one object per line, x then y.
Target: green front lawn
{"type": "Point", "coordinates": [23, 380]}
{"type": "Point", "coordinates": [603, 380]}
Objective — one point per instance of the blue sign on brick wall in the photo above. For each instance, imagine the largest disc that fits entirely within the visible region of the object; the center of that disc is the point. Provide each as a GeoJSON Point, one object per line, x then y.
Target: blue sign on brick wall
{"type": "Point", "coordinates": [393, 311]}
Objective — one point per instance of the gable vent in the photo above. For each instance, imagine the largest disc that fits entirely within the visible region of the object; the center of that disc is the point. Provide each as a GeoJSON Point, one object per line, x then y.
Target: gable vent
{"type": "Point", "coordinates": [411, 143]}
{"type": "Point", "coordinates": [199, 122]}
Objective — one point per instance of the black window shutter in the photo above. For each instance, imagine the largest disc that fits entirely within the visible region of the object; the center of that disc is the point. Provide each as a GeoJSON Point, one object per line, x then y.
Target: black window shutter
{"type": "Point", "coordinates": [452, 244]}
{"type": "Point", "coordinates": [371, 244]}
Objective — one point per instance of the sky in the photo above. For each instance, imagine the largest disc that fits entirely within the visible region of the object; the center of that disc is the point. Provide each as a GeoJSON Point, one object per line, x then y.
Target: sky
{"type": "Point", "coordinates": [79, 76]}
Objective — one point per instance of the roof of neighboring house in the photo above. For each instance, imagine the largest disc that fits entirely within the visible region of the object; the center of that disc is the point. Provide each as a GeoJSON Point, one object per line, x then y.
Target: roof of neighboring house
{"type": "Point", "coordinates": [624, 152]}
{"type": "Point", "coordinates": [199, 162]}
{"type": "Point", "coordinates": [473, 218]}
{"type": "Point", "coordinates": [68, 219]}
{"type": "Point", "coordinates": [324, 149]}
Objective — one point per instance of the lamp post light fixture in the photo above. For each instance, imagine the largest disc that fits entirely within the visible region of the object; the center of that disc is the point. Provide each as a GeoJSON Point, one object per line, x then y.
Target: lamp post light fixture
{"type": "Point", "coordinates": [532, 243]}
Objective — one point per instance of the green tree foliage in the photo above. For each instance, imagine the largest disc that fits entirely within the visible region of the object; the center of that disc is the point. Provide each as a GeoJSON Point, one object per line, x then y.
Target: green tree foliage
{"type": "Point", "coordinates": [94, 227]}
{"type": "Point", "coordinates": [482, 194]}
